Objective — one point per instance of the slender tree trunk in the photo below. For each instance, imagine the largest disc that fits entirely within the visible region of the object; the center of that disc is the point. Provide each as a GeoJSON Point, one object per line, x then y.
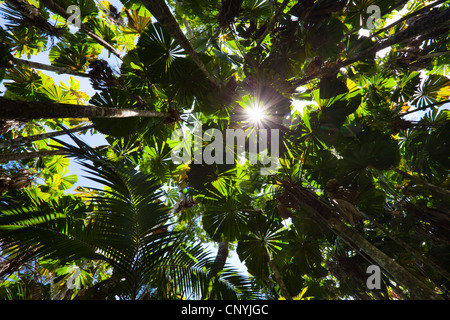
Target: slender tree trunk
{"type": "Point", "coordinates": [434, 54]}
{"type": "Point", "coordinates": [26, 110]}
{"type": "Point", "coordinates": [279, 279]}
{"type": "Point", "coordinates": [6, 157]}
{"type": "Point", "coordinates": [424, 107]}
{"type": "Point", "coordinates": [412, 14]}
{"type": "Point", "coordinates": [162, 13]}
{"type": "Point", "coordinates": [430, 186]}
{"type": "Point", "coordinates": [389, 11]}
{"type": "Point", "coordinates": [38, 65]}
{"type": "Point", "coordinates": [189, 31]}
{"type": "Point", "coordinates": [272, 22]}
{"type": "Point", "coordinates": [16, 156]}
{"type": "Point", "coordinates": [416, 288]}
{"type": "Point", "coordinates": [417, 255]}
{"type": "Point", "coordinates": [221, 258]}
{"type": "Point", "coordinates": [420, 31]}
{"type": "Point", "coordinates": [310, 202]}
{"type": "Point", "coordinates": [56, 8]}
{"type": "Point", "coordinates": [219, 263]}
{"type": "Point", "coordinates": [32, 16]}
{"type": "Point", "coordinates": [187, 25]}
{"type": "Point", "coordinates": [9, 266]}
{"type": "Point", "coordinates": [28, 139]}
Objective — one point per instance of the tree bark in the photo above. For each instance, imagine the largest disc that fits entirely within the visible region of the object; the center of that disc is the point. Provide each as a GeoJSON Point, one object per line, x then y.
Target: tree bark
{"type": "Point", "coordinates": [389, 11]}
{"type": "Point", "coordinates": [31, 14]}
{"type": "Point", "coordinates": [279, 279]}
{"type": "Point", "coordinates": [28, 139]}
{"type": "Point", "coordinates": [430, 186]}
{"type": "Point", "coordinates": [412, 14]}
{"type": "Point", "coordinates": [420, 31]}
{"type": "Point", "coordinates": [221, 258]}
{"type": "Point", "coordinates": [219, 263]}
{"type": "Point", "coordinates": [417, 255]}
{"type": "Point", "coordinates": [59, 70]}
{"type": "Point", "coordinates": [6, 157]}
{"type": "Point", "coordinates": [16, 156]}
{"type": "Point", "coordinates": [9, 266]}
{"type": "Point", "coordinates": [310, 202]}
{"type": "Point", "coordinates": [27, 110]}
{"type": "Point", "coordinates": [272, 22]}
{"type": "Point", "coordinates": [416, 288]}
{"type": "Point", "coordinates": [162, 13]}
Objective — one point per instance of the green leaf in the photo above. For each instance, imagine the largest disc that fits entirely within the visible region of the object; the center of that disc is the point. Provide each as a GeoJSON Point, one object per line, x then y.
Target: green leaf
{"type": "Point", "coordinates": [331, 87]}
{"type": "Point", "coordinates": [68, 181]}
{"type": "Point", "coordinates": [88, 9]}
{"type": "Point", "coordinates": [166, 63]}
{"type": "Point", "coordinates": [76, 54]}
{"type": "Point", "coordinates": [371, 201]}
{"type": "Point", "coordinates": [325, 36]}
{"type": "Point", "coordinates": [56, 164]}
{"type": "Point", "coordinates": [266, 239]}
{"type": "Point", "coordinates": [225, 218]}
{"type": "Point", "coordinates": [375, 149]}
{"type": "Point", "coordinates": [428, 91]}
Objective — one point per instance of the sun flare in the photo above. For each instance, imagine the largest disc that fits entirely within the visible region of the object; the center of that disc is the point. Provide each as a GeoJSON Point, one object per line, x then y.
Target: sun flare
{"type": "Point", "coordinates": [256, 114]}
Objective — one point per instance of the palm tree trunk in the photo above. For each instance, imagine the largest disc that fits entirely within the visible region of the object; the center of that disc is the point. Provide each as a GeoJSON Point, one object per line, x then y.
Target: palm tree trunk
{"type": "Point", "coordinates": [389, 11]}
{"type": "Point", "coordinates": [417, 255]}
{"type": "Point", "coordinates": [27, 110]}
{"type": "Point", "coordinates": [38, 65]}
{"type": "Point", "coordinates": [430, 186]}
{"type": "Point", "coordinates": [221, 258]}
{"type": "Point", "coordinates": [9, 266]}
{"type": "Point", "coordinates": [186, 24]}
{"type": "Point", "coordinates": [412, 14]}
{"type": "Point", "coordinates": [219, 263]}
{"type": "Point", "coordinates": [324, 213]}
{"type": "Point", "coordinates": [435, 54]}
{"type": "Point", "coordinates": [16, 156]}
{"type": "Point", "coordinates": [31, 14]}
{"type": "Point", "coordinates": [272, 22]}
{"type": "Point", "coordinates": [420, 32]}
{"type": "Point", "coordinates": [56, 8]}
{"type": "Point", "coordinates": [279, 279]}
{"type": "Point", "coordinates": [28, 139]}
{"type": "Point", "coordinates": [162, 13]}
{"type": "Point", "coordinates": [424, 107]}
{"type": "Point", "coordinates": [416, 288]}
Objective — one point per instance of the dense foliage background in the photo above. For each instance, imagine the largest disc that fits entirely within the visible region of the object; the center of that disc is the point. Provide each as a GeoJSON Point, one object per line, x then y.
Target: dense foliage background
{"type": "Point", "coordinates": [364, 149]}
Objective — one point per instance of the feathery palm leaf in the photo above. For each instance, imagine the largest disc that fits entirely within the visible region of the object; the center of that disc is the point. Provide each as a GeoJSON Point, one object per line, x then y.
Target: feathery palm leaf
{"type": "Point", "coordinates": [125, 225]}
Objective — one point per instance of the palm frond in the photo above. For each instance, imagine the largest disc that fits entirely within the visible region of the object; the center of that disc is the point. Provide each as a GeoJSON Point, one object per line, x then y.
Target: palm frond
{"type": "Point", "coordinates": [232, 285]}
{"type": "Point", "coordinates": [52, 229]}
{"type": "Point", "coordinates": [126, 225]}
{"type": "Point", "coordinates": [131, 224]}
{"type": "Point", "coordinates": [186, 274]}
